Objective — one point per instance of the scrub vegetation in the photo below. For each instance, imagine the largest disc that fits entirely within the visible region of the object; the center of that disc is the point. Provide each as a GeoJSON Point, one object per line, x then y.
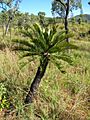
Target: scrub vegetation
{"type": "Point", "coordinates": [44, 70]}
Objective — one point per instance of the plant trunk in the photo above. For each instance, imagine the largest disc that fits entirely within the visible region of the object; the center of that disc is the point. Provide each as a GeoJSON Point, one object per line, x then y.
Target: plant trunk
{"type": "Point", "coordinates": [35, 84]}
{"type": "Point", "coordinates": [66, 19]}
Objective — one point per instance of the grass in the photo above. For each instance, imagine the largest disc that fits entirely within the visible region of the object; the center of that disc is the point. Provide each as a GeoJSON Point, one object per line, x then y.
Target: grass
{"type": "Point", "coordinates": [61, 96]}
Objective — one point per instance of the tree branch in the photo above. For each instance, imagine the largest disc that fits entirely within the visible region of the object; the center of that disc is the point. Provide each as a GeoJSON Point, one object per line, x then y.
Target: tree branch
{"type": "Point", "coordinates": [61, 3]}
{"type": "Point", "coordinates": [4, 8]}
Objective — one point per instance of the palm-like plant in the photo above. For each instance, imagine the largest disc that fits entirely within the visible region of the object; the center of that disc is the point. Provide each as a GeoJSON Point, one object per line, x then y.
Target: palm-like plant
{"type": "Point", "coordinates": [47, 45]}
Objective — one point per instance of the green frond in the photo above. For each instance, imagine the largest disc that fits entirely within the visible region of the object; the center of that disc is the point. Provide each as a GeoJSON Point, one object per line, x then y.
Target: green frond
{"type": "Point", "coordinates": [62, 46]}
{"type": "Point", "coordinates": [29, 34]}
{"type": "Point", "coordinates": [21, 48]}
{"type": "Point", "coordinates": [51, 33]}
{"type": "Point", "coordinates": [30, 51]}
{"type": "Point", "coordinates": [30, 54]}
{"type": "Point", "coordinates": [24, 43]}
{"type": "Point", "coordinates": [46, 37]}
{"type": "Point", "coordinates": [38, 45]}
{"type": "Point", "coordinates": [60, 37]}
{"type": "Point", "coordinates": [36, 35]}
{"type": "Point", "coordinates": [45, 43]}
{"type": "Point", "coordinates": [40, 36]}
{"type": "Point", "coordinates": [57, 37]}
{"type": "Point", "coordinates": [64, 57]}
{"type": "Point", "coordinates": [37, 29]}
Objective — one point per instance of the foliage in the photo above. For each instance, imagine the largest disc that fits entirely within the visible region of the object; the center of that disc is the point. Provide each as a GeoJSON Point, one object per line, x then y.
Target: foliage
{"type": "Point", "coordinates": [4, 4]}
{"type": "Point", "coordinates": [45, 43]}
{"type": "Point", "coordinates": [63, 8]}
{"type": "Point", "coordinates": [3, 97]}
{"type": "Point", "coordinates": [48, 45]}
{"type": "Point", "coordinates": [59, 6]}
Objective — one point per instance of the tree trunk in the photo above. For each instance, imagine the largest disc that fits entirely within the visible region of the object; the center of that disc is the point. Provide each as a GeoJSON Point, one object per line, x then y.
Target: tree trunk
{"type": "Point", "coordinates": [10, 29]}
{"type": "Point", "coordinates": [66, 19]}
{"type": "Point", "coordinates": [35, 84]}
{"type": "Point", "coordinates": [3, 26]}
{"type": "Point", "coordinates": [7, 27]}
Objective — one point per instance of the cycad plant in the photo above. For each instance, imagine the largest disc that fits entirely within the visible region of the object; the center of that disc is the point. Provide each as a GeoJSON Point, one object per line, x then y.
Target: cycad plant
{"type": "Point", "coordinates": [47, 45]}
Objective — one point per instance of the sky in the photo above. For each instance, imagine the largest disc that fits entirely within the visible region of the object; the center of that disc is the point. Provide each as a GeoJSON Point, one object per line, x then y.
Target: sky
{"type": "Point", "coordinates": [35, 6]}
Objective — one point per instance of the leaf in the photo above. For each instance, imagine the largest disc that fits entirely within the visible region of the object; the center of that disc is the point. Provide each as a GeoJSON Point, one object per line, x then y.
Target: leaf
{"type": "Point", "coordinates": [40, 36]}
{"type": "Point", "coordinates": [57, 37]}
{"type": "Point", "coordinates": [46, 37]}
{"type": "Point", "coordinates": [62, 47]}
{"type": "Point", "coordinates": [30, 54]}
{"type": "Point", "coordinates": [64, 57]}
{"type": "Point", "coordinates": [52, 32]}
{"type": "Point", "coordinates": [28, 34]}
{"type": "Point", "coordinates": [25, 43]}
{"type": "Point", "coordinates": [38, 45]}
{"type": "Point", "coordinates": [36, 35]}
{"type": "Point", "coordinates": [21, 48]}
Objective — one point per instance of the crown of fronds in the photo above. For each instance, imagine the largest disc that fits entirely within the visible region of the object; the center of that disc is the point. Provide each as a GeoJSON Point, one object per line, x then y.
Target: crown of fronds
{"type": "Point", "coordinates": [46, 42]}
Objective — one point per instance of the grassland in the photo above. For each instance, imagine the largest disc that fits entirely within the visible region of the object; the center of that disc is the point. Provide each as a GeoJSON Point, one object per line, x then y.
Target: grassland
{"type": "Point", "coordinates": [61, 96]}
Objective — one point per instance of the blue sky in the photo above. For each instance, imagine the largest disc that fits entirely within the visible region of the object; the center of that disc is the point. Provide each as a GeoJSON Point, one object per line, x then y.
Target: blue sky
{"type": "Point", "coordinates": [34, 6]}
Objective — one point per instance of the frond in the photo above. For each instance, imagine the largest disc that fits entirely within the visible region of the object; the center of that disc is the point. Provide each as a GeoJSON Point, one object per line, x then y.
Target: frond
{"type": "Point", "coordinates": [24, 43]}
{"type": "Point", "coordinates": [62, 46]}
{"type": "Point", "coordinates": [21, 48]}
{"type": "Point", "coordinates": [52, 32]}
{"type": "Point", "coordinates": [64, 57]}
{"type": "Point", "coordinates": [40, 36]}
{"type": "Point", "coordinates": [36, 35]}
{"type": "Point", "coordinates": [28, 34]}
{"type": "Point", "coordinates": [46, 37]}
{"type": "Point", "coordinates": [30, 54]}
{"type": "Point", "coordinates": [57, 37]}
{"type": "Point", "coordinates": [45, 43]}
{"type": "Point", "coordinates": [38, 45]}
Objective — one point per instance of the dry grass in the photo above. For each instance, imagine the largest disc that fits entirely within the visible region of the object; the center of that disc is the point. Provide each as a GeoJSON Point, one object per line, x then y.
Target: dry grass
{"type": "Point", "coordinates": [60, 96]}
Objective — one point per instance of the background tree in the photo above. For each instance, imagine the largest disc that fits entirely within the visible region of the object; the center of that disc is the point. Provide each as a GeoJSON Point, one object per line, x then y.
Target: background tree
{"type": "Point", "coordinates": [3, 20]}
{"type": "Point", "coordinates": [63, 8]}
{"type": "Point", "coordinates": [33, 18]}
{"type": "Point", "coordinates": [9, 7]}
{"type": "Point", "coordinates": [11, 13]}
{"type": "Point", "coordinates": [79, 20]}
{"type": "Point", "coordinates": [46, 45]}
{"type": "Point", "coordinates": [73, 20]}
{"type": "Point", "coordinates": [26, 21]}
{"type": "Point", "coordinates": [4, 4]}
{"type": "Point", "coordinates": [20, 20]}
{"type": "Point", "coordinates": [42, 18]}
{"type": "Point", "coordinates": [51, 21]}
